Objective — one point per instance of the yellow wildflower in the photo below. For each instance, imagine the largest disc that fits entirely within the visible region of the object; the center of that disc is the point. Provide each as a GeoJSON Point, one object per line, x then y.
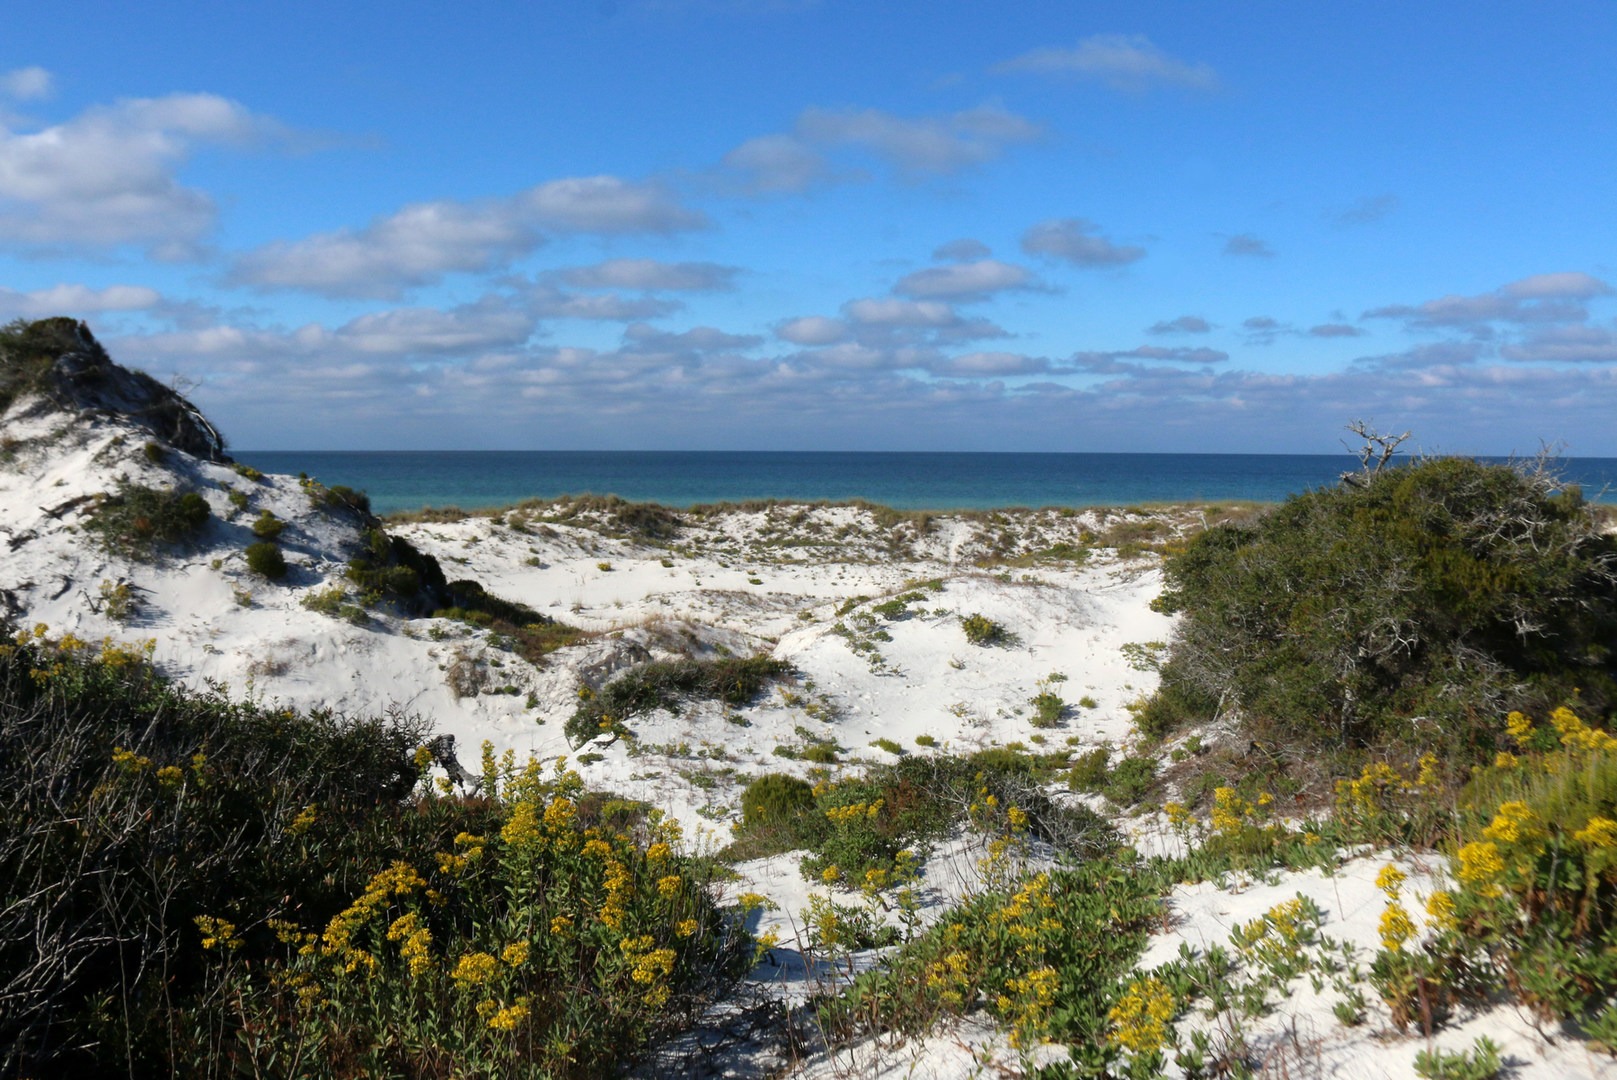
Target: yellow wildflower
{"type": "Point", "coordinates": [1396, 927]}
{"type": "Point", "coordinates": [1601, 832]}
{"type": "Point", "coordinates": [1519, 728]}
{"type": "Point", "coordinates": [1390, 880]}
{"type": "Point", "coordinates": [474, 969]}
{"type": "Point", "coordinates": [508, 1018]}
{"type": "Point", "coordinates": [515, 954]}
{"type": "Point", "coordinates": [1440, 907]}
{"type": "Point", "coordinates": [1141, 1016]}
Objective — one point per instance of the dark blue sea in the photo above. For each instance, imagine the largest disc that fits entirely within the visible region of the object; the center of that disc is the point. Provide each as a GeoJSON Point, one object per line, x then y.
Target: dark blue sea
{"type": "Point", "coordinates": [411, 480]}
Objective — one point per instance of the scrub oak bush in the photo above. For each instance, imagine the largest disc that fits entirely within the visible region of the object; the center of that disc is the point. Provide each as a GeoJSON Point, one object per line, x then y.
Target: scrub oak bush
{"type": "Point", "coordinates": [1399, 610]}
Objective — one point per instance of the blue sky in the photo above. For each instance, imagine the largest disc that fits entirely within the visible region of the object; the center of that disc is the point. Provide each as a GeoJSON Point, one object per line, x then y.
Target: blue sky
{"type": "Point", "coordinates": [787, 224]}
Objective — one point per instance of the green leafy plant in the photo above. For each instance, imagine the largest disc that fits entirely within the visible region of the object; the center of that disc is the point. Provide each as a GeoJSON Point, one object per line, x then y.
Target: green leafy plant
{"type": "Point", "coordinates": [264, 558]}
{"type": "Point", "coordinates": [981, 630]}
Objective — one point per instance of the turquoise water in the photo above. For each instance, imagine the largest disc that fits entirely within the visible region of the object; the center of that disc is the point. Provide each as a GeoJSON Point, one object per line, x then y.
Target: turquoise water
{"type": "Point", "coordinates": [410, 480]}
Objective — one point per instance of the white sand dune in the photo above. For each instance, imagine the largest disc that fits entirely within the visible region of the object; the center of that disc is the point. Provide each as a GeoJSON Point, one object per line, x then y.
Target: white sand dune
{"type": "Point", "coordinates": [782, 580]}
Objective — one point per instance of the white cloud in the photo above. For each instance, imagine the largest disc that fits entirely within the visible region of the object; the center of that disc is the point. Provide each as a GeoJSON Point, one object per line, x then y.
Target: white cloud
{"type": "Point", "coordinates": [607, 205]}
{"type": "Point", "coordinates": [1334, 330]}
{"type": "Point", "coordinates": [27, 84]}
{"type": "Point", "coordinates": [76, 301]}
{"type": "Point", "coordinates": [1077, 241]}
{"type": "Point", "coordinates": [1184, 324]}
{"type": "Point", "coordinates": [107, 177]}
{"type": "Point", "coordinates": [990, 365]}
{"type": "Point", "coordinates": [421, 243]}
{"type": "Point", "coordinates": [779, 163]}
{"type": "Point", "coordinates": [549, 302]}
{"type": "Point", "coordinates": [964, 281]}
{"type": "Point", "coordinates": [916, 147]}
{"type": "Point", "coordinates": [1566, 345]}
{"type": "Point", "coordinates": [888, 311]}
{"type": "Point", "coordinates": [650, 274]}
{"type": "Point", "coordinates": [1123, 359]}
{"type": "Point", "coordinates": [812, 330]}
{"type": "Point", "coordinates": [414, 246]}
{"type": "Point", "coordinates": [925, 145]}
{"type": "Point", "coordinates": [1126, 62]}
{"type": "Point", "coordinates": [1538, 299]}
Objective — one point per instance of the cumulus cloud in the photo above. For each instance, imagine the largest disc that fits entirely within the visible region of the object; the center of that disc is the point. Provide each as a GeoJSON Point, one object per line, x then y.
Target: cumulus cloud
{"type": "Point", "coordinates": [779, 163]}
{"type": "Point", "coordinates": [421, 243]}
{"type": "Point", "coordinates": [76, 300]}
{"type": "Point", "coordinates": [962, 250]}
{"type": "Point", "coordinates": [27, 84]}
{"type": "Point", "coordinates": [1366, 211]}
{"type": "Point", "coordinates": [1125, 62]}
{"type": "Point", "coordinates": [1077, 241]}
{"type": "Point", "coordinates": [1566, 345]}
{"type": "Point", "coordinates": [989, 365]}
{"type": "Point", "coordinates": [698, 339]}
{"type": "Point", "coordinates": [889, 311]}
{"type": "Point", "coordinates": [607, 205]}
{"type": "Point", "coordinates": [1184, 324]}
{"type": "Point", "coordinates": [548, 302]}
{"type": "Point", "coordinates": [651, 275]}
{"type": "Point", "coordinates": [1120, 360]}
{"type": "Point", "coordinates": [107, 177]}
{"type": "Point", "coordinates": [1334, 330]}
{"type": "Point", "coordinates": [812, 330]}
{"type": "Point", "coordinates": [1541, 298]}
{"type": "Point", "coordinates": [964, 281]}
{"type": "Point", "coordinates": [916, 147]}
{"type": "Point", "coordinates": [415, 246]}
{"type": "Point", "coordinates": [1247, 244]}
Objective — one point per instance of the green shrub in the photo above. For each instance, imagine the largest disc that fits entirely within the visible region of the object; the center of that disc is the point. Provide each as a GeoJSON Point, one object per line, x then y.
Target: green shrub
{"type": "Point", "coordinates": [339, 497]}
{"type": "Point", "coordinates": [265, 559]}
{"type": "Point", "coordinates": [268, 526]}
{"type": "Point", "coordinates": [1048, 709]}
{"type": "Point", "coordinates": [889, 745]}
{"type": "Point", "coordinates": [28, 350]}
{"type": "Point", "coordinates": [154, 452]}
{"type": "Point", "coordinates": [1448, 590]}
{"type": "Point", "coordinates": [1089, 770]}
{"type": "Point", "coordinates": [981, 630]}
{"type": "Point", "coordinates": [1129, 780]}
{"type": "Point", "coordinates": [248, 472]}
{"type": "Point", "coordinates": [926, 740]}
{"type": "Point", "coordinates": [662, 684]}
{"type": "Point", "coordinates": [136, 521]}
{"type": "Point", "coordinates": [775, 799]}
{"type": "Point", "coordinates": [212, 888]}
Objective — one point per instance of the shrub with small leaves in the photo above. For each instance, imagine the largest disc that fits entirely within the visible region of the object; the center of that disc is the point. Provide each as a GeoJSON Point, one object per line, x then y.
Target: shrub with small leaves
{"type": "Point", "coordinates": [265, 559]}
{"type": "Point", "coordinates": [981, 630]}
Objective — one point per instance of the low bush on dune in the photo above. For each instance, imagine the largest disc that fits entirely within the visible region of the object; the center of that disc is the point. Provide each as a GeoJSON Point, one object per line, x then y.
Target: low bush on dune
{"type": "Point", "coordinates": [1404, 609]}
{"type": "Point", "coordinates": [200, 887]}
{"type": "Point", "coordinates": [138, 521]}
{"type": "Point", "coordinates": [663, 684]}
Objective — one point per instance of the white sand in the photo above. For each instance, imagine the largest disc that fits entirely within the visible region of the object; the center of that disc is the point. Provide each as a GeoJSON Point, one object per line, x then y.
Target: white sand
{"type": "Point", "coordinates": [742, 581]}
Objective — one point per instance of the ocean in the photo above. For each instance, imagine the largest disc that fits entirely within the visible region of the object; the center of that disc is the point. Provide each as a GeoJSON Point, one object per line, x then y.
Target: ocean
{"type": "Point", "coordinates": [410, 480]}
